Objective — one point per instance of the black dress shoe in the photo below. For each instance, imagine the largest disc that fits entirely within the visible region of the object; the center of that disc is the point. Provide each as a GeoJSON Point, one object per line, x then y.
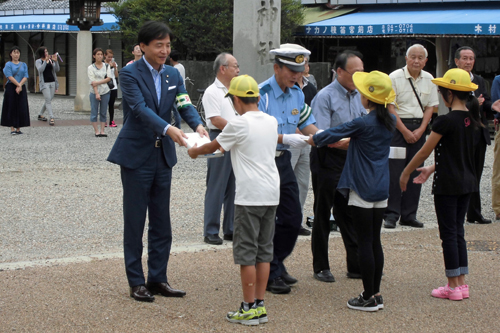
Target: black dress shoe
{"type": "Point", "coordinates": [390, 224]}
{"type": "Point", "coordinates": [164, 289]}
{"type": "Point", "coordinates": [481, 220]}
{"type": "Point", "coordinates": [354, 275]}
{"type": "Point", "coordinates": [304, 232]}
{"type": "Point", "coordinates": [228, 237]}
{"type": "Point", "coordinates": [278, 286]}
{"type": "Point", "coordinates": [324, 276]}
{"type": "Point", "coordinates": [288, 279]}
{"type": "Point", "coordinates": [213, 239]}
{"type": "Point", "coordinates": [412, 223]}
{"type": "Point", "coordinates": [141, 294]}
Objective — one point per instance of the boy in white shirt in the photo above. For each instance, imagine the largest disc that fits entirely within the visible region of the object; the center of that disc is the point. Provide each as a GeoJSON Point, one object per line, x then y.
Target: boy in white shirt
{"type": "Point", "coordinates": [252, 139]}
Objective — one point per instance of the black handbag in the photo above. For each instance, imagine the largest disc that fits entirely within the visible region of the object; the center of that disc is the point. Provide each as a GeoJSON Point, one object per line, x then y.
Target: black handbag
{"type": "Point", "coordinates": [110, 83]}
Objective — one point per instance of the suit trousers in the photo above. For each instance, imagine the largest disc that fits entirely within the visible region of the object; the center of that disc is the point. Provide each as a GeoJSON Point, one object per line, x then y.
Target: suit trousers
{"type": "Point", "coordinates": [147, 190]}
{"type": "Point", "coordinates": [495, 176]}
{"type": "Point", "coordinates": [288, 216]}
{"type": "Point", "coordinates": [474, 210]}
{"type": "Point", "coordinates": [326, 168]}
{"type": "Point", "coordinates": [221, 189]}
{"type": "Point", "coordinates": [403, 204]}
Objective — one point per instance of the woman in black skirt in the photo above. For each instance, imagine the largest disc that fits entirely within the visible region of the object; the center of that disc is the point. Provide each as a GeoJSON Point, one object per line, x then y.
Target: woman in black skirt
{"type": "Point", "coordinates": [15, 111]}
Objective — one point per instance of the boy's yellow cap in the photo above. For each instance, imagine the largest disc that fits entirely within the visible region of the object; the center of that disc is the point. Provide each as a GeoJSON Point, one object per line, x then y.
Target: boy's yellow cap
{"type": "Point", "coordinates": [456, 79]}
{"type": "Point", "coordinates": [376, 86]}
{"type": "Point", "coordinates": [243, 86]}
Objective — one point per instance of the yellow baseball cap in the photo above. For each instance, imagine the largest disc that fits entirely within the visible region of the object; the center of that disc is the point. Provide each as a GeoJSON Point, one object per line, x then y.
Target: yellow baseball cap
{"type": "Point", "coordinates": [456, 79]}
{"type": "Point", "coordinates": [376, 86]}
{"type": "Point", "coordinates": [243, 86]}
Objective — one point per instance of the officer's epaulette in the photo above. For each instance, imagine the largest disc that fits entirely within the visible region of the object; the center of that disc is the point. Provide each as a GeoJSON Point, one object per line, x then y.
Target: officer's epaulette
{"type": "Point", "coordinates": [265, 89]}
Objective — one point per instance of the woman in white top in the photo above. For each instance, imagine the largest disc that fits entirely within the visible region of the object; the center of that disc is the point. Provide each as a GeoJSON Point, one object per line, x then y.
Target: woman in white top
{"type": "Point", "coordinates": [99, 75]}
{"type": "Point", "coordinates": [110, 61]}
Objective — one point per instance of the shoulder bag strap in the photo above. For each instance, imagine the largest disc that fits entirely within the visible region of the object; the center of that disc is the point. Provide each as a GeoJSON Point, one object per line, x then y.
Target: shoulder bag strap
{"type": "Point", "coordinates": [415, 92]}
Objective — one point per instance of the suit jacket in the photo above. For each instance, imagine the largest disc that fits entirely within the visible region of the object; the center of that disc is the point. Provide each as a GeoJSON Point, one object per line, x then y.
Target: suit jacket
{"type": "Point", "coordinates": [485, 108]}
{"type": "Point", "coordinates": [143, 119]}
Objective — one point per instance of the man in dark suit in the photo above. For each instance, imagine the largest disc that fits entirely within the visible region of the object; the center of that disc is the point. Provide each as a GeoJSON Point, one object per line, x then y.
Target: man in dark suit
{"type": "Point", "coordinates": [145, 151]}
{"type": "Point", "coordinates": [464, 59]}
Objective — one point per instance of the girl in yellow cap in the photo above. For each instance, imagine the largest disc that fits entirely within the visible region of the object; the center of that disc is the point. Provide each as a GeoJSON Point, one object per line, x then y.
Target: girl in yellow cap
{"type": "Point", "coordinates": [452, 139]}
{"type": "Point", "coordinates": [365, 178]}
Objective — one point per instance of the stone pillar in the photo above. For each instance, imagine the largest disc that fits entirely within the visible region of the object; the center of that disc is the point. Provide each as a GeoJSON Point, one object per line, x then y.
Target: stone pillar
{"type": "Point", "coordinates": [83, 60]}
{"type": "Point", "coordinates": [256, 30]}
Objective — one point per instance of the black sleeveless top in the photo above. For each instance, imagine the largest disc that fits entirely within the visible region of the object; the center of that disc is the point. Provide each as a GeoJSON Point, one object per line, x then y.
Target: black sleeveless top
{"type": "Point", "coordinates": [48, 76]}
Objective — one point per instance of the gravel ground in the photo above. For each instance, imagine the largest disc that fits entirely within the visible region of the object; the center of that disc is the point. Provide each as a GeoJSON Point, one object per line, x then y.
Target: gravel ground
{"type": "Point", "coordinates": [60, 211]}
{"type": "Point", "coordinates": [60, 197]}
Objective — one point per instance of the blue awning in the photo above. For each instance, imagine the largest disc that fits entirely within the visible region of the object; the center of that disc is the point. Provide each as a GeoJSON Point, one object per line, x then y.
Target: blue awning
{"type": "Point", "coordinates": [478, 20]}
{"type": "Point", "coordinates": [55, 23]}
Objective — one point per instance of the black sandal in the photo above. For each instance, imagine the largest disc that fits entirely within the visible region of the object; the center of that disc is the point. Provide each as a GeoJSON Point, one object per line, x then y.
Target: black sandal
{"type": "Point", "coordinates": [42, 118]}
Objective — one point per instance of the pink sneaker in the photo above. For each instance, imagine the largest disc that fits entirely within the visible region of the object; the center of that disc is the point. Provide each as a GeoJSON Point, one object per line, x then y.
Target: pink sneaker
{"type": "Point", "coordinates": [112, 124]}
{"type": "Point", "coordinates": [447, 292]}
{"type": "Point", "coordinates": [465, 290]}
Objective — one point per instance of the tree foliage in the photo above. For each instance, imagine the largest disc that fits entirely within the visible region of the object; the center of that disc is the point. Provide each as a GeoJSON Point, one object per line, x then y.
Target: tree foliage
{"type": "Point", "coordinates": [292, 17]}
{"type": "Point", "coordinates": [202, 28]}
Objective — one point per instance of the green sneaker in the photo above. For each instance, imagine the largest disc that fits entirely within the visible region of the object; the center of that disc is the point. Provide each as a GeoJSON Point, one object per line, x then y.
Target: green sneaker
{"type": "Point", "coordinates": [250, 317]}
{"type": "Point", "coordinates": [261, 311]}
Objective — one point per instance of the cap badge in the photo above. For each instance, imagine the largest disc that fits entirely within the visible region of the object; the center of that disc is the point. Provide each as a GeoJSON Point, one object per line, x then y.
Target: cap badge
{"type": "Point", "coordinates": [371, 89]}
{"type": "Point", "coordinates": [299, 59]}
{"type": "Point", "coordinates": [453, 82]}
{"type": "Point", "coordinates": [295, 112]}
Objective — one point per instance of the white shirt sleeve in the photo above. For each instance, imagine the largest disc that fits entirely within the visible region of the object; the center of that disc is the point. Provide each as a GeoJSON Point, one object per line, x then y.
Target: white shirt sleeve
{"type": "Point", "coordinates": [211, 103]}
{"type": "Point", "coordinates": [231, 134]}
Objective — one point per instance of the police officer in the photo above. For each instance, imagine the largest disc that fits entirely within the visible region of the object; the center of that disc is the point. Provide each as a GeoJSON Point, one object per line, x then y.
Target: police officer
{"type": "Point", "coordinates": [282, 99]}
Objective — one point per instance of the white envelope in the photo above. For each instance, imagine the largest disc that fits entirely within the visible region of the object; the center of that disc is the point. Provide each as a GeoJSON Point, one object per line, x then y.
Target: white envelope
{"type": "Point", "coordinates": [194, 138]}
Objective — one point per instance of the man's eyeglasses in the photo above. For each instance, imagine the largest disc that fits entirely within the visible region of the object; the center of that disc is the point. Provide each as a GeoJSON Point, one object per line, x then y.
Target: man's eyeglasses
{"type": "Point", "coordinates": [346, 71]}
{"type": "Point", "coordinates": [235, 66]}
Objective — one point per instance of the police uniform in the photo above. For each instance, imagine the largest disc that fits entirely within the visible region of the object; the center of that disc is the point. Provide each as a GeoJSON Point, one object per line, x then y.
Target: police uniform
{"type": "Point", "coordinates": [291, 112]}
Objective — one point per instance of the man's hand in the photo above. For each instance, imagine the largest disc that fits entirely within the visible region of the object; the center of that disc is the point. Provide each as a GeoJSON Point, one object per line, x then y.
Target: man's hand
{"type": "Point", "coordinates": [177, 135]}
{"type": "Point", "coordinates": [418, 133]}
{"type": "Point", "coordinates": [192, 151]}
{"type": "Point", "coordinates": [480, 99]}
{"type": "Point", "coordinates": [201, 131]}
{"type": "Point", "coordinates": [295, 140]}
{"type": "Point", "coordinates": [409, 136]}
{"type": "Point", "coordinates": [342, 144]}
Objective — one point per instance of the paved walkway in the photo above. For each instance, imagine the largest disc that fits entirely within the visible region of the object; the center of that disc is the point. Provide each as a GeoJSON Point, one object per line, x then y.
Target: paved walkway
{"type": "Point", "coordinates": [92, 296]}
